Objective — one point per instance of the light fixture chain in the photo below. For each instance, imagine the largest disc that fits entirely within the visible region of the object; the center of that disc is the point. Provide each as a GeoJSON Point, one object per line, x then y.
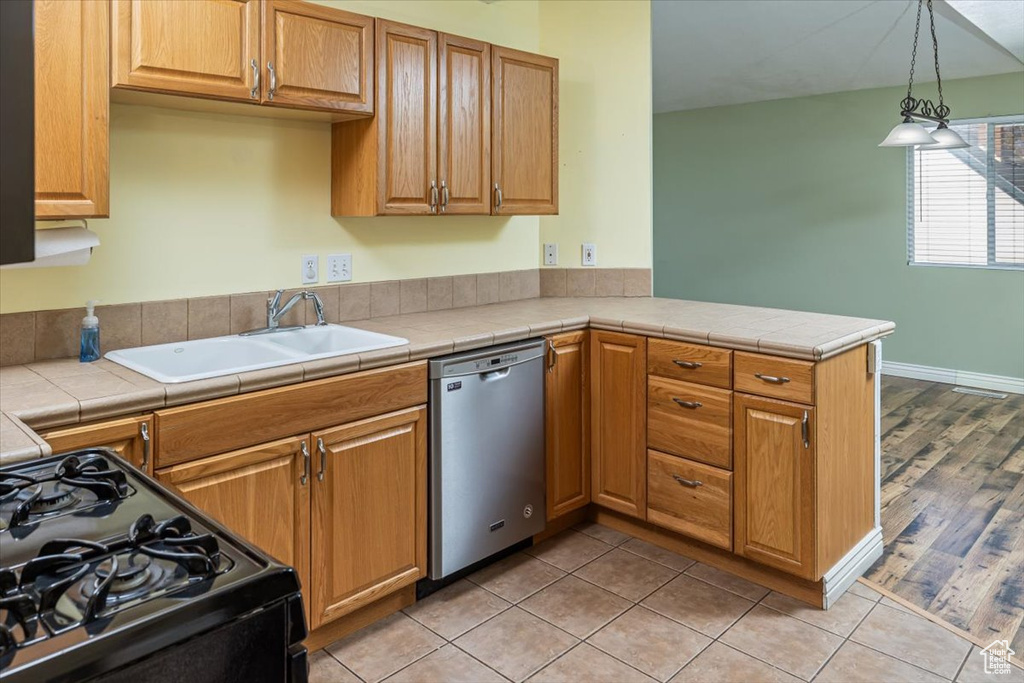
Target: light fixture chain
{"type": "Point", "coordinates": [935, 48]}
{"type": "Point", "coordinates": [913, 54]}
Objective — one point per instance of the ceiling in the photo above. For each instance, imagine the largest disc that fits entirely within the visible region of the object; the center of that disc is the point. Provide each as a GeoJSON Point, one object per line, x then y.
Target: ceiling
{"type": "Point", "coordinates": [716, 52]}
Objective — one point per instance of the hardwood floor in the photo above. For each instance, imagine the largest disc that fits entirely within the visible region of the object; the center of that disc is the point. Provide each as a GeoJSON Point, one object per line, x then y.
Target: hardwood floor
{"type": "Point", "coordinates": [953, 506]}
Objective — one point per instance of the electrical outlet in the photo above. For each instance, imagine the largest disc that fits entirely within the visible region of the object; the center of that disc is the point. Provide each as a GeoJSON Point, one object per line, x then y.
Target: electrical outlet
{"type": "Point", "coordinates": [589, 254]}
{"type": "Point", "coordinates": [310, 269]}
{"type": "Point", "coordinates": [339, 267]}
{"type": "Point", "coordinates": [550, 254]}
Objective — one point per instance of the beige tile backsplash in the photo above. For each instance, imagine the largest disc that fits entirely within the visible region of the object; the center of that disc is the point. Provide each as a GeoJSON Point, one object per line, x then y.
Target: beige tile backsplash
{"type": "Point", "coordinates": [43, 335]}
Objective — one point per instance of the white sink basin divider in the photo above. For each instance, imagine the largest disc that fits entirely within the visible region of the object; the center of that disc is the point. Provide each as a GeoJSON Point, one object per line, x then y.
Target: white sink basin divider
{"type": "Point", "coordinates": [204, 358]}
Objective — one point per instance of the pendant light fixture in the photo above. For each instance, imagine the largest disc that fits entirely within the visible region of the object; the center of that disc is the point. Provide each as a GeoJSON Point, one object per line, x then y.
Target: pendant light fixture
{"type": "Point", "coordinates": [913, 134]}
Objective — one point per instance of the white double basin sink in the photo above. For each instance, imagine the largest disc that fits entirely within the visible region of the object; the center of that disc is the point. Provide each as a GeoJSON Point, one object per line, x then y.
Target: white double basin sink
{"type": "Point", "coordinates": [205, 358]}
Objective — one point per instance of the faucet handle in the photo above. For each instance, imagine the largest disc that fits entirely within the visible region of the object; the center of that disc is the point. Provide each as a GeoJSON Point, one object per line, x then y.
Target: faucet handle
{"type": "Point", "coordinates": [275, 301]}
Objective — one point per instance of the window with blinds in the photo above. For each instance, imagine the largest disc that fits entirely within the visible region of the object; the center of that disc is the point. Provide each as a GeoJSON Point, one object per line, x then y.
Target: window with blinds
{"type": "Point", "coordinates": [965, 207]}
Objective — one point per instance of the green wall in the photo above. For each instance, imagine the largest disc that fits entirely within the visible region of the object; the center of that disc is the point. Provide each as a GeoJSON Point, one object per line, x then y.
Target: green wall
{"type": "Point", "coordinates": [791, 204]}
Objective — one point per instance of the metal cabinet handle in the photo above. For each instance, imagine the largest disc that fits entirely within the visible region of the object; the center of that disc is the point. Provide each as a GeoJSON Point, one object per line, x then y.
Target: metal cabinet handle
{"type": "Point", "coordinates": [805, 431]}
{"type": "Point", "coordinates": [305, 464]}
{"type": "Point", "coordinates": [497, 197]}
{"type": "Point", "coordinates": [552, 356]}
{"type": "Point", "coordinates": [273, 80]}
{"type": "Point", "coordinates": [769, 378]}
{"type": "Point", "coordinates": [433, 196]}
{"type": "Point", "coordinates": [693, 405]}
{"type": "Point", "coordinates": [255, 92]}
{"type": "Point", "coordinates": [688, 364]}
{"type": "Point", "coordinates": [445, 196]}
{"type": "Point", "coordinates": [144, 431]}
{"type": "Point", "coordinates": [323, 459]}
{"type": "Point", "coordinates": [692, 483]}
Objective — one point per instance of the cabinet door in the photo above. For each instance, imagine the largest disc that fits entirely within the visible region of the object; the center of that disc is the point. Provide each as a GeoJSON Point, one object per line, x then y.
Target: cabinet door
{"type": "Point", "coordinates": [129, 437]}
{"type": "Point", "coordinates": [260, 493]}
{"type": "Point", "coordinates": [774, 479]}
{"type": "Point", "coordinates": [464, 131]}
{"type": "Point", "coordinates": [524, 149]}
{"type": "Point", "coordinates": [406, 119]}
{"type": "Point", "coordinates": [317, 57]}
{"type": "Point", "coordinates": [72, 109]}
{"type": "Point", "coordinates": [369, 511]}
{"type": "Point", "coordinates": [207, 48]}
{"type": "Point", "coordinates": [567, 424]}
{"type": "Point", "coordinates": [618, 421]}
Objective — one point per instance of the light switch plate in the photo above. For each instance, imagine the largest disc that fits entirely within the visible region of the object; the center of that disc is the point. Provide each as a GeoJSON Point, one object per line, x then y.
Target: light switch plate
{"type": "Point", "coordinates": [310, 269]}
{"type": "Point", "coordinates": [589, 254]}
{"type": "Point", "coordinates": [339, 267]}
{"type": "Point", "coordinates": [550, 254]}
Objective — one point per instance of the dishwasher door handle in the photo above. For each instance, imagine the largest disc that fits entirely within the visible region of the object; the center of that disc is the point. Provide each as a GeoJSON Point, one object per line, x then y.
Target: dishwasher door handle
{"type": "Point", "coordinates": [495, 375]}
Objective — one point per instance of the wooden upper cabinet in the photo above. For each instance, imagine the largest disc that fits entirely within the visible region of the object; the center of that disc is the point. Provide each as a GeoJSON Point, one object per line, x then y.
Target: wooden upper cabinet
{"type": "Point", "coordinates": [567, 423]}
{"type": "Point", "coordinates": [618, 421]}
{"type": "Point", "coordinates": [206, 48]}
{"type": "Point", "coordinates": [129, 437]}
{"type": "Point", "coordinates": [317, 57]}
{"type": "Point", "coordinates": [260, 493]}
{"type": "Point", "coordinates": [464, 128]}
{"type": "Point", "coordinates": [775, 484]}
{"type": "Point", "coordinates": [524, 148]}
{"type": "Point", "coordinates": [369, 511]}
{"type": "Point", "coordinates": [72, 109]}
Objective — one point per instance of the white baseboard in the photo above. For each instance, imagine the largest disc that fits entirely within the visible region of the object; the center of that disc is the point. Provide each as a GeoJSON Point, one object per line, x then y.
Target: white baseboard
{"type": "Point", "coordinates": [979, 380]}
{"type": "Point", "coordinates": [853, 565]}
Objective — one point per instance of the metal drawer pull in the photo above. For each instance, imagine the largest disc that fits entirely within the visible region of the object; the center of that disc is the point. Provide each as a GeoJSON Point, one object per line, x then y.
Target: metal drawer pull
{"type": "Point", "coordinates": [688, 364]}
{"type": "Point", "coordinates": [769, 378]}
{"type": "Point", "coordinates": [323, 459]}
{"type": "Point", "coordinates": [273, 81]}
{"type": "Point", "coordinates": [805, 432]}
{"type": "Point", "coordinates": [433, 196]}
{"type": "Point", "coordinates": [255, 92]}
{"type": "Point", "coordinates": [688, 404]}
{"type": "Point", "coordinates": [444, 196]}
{"type": "Point", "coordinates": [552, 355]}
{"type": "Point", "coordinates": [144, 430]}
{"type": "Point", "coordinates": [692, 483]}
{"type": "Point", "coordinates": [305, 464]}
{"type": "Point", "coordinates": [497, 191]}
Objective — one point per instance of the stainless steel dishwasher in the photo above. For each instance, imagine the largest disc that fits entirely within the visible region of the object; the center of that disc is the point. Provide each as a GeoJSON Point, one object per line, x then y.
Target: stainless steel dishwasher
{"type": "Point", "coordinates": [486, 453]}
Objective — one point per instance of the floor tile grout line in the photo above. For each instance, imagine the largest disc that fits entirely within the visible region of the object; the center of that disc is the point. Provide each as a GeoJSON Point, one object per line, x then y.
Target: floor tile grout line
{"type": "Point", "coordinates": [477, 659]}
{"type": "Point", "coordinates": [342, 664]}
{"type": "Point", "coordinates": [960, 669]}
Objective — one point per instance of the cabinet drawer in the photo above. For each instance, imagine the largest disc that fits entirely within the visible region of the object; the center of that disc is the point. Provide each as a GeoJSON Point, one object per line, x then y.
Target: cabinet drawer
{"type": "Point", "coordinates": [690, 420]}
{"type": "Point", "coordinates": [690, 362]}
{"type": "Point", "coordinates": [690, 498]}
{"type": "Point", "coordinates": [785, 378]}
{"type": "Point", "coordinates": [190, 432]}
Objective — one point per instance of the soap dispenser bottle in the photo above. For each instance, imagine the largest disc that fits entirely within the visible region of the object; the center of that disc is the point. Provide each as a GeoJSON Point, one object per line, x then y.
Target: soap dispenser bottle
{"type": "Point", "coordinates": [90, 349]}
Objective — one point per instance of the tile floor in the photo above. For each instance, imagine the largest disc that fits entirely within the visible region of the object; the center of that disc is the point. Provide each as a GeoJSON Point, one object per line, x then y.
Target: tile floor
{"type": "Point", "coordinates": [592, 604]}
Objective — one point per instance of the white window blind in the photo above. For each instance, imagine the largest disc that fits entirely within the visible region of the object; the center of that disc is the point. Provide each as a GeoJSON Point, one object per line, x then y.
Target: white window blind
{"type": "Point", "coordinates": [965, 207]}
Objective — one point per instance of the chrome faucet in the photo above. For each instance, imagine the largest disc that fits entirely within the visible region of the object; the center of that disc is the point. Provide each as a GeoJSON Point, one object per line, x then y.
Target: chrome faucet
{"type": "Point", "coordinates": [275, 311]}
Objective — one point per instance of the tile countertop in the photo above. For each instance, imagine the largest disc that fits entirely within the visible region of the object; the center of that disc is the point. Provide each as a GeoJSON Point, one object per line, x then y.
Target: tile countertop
{"type": "Point", "coordinates": [63, 392]}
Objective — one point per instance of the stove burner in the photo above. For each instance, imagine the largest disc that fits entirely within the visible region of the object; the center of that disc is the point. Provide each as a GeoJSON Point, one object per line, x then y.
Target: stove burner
{"type": "Point", "coordinates": [132, 571]}
{"type": "Point", "coordinates": [48, 497]}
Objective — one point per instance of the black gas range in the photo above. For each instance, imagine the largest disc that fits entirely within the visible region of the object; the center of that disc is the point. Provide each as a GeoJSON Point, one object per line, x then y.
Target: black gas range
{"type": "Point", "coordinates": [106, 575]}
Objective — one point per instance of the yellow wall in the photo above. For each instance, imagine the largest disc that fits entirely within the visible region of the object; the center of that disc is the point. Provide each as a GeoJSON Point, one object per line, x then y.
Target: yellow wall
{"type": "Point", "coordinates": [209, 203]}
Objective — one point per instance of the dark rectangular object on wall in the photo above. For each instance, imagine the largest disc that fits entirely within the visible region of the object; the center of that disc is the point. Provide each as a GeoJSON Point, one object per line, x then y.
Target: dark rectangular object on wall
{"type": "Point", "coordinates": [17, 130]}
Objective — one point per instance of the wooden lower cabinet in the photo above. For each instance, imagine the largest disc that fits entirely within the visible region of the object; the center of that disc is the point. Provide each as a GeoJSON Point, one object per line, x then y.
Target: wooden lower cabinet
{"type": "Point", "coordinates": [129, 437]}
{"type": "Point", "coordinates": [618, 364]}
{"type": "Point", "coordinates": [774, 470]}
{"type": "Point", "coordinates": [369, 512]}
{"type": "Point", "coordinates": [260, 493]}
{"type": "Point", "coordinates": [567, 423]}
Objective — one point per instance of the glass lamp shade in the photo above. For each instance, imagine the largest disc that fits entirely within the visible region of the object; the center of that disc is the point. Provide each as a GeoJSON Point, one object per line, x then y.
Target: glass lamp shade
{"type": "Point", "coordinates": [947, 139]}
{"type": "Point", "coordinates": [909, 134]}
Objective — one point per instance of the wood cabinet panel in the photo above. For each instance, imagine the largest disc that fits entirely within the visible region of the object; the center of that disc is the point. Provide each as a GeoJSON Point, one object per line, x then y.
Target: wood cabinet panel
{"type": "Point", "coordinates": [260, 493]}
{"type": "Point", "coordinates": [775, 484]}
{"type": "Point", "coordinates": [192, 431]}
{"type": "Point", "coordinates": [618, 421]}
{"type": "Point", "coordinates": [205, 48]}
{"type": "Point", "coordinates": [524, 148]}
{"type": "Point", "coordinates": [72, 109]}
{"type": "Point", "coordinates": [788, 379]}
{"type": "Point", "coordinates": [464, 125]}
{"type": "Point", "coordinates": [690, 420]}
{"type": "Point", "coordinates": [129, 437]}
{"type": "Point", "coordinates": [369, 512]}
{"type": "Point", "coordinates": [321, 58]}
{"type": "Point", "coordinates": [690, 498]}
{"type": "Point", "coordinates": [567, 423]}
{"type": "Point", "coordinates": [690, 362]}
